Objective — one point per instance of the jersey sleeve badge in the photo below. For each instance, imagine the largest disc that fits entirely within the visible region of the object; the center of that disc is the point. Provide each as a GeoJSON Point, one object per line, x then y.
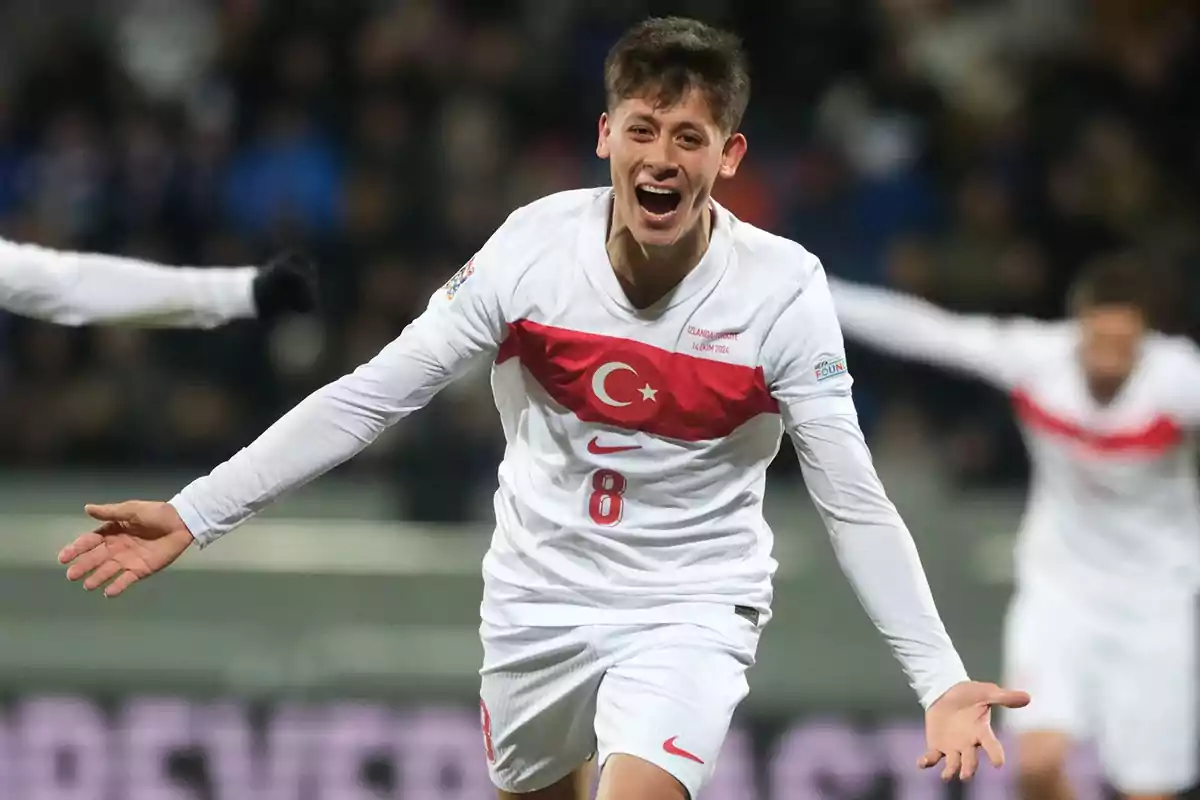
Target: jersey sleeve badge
{"type": "Point", "coordinates": [459, 278]}
{"type": "Point", "coordinates": [829, 366]}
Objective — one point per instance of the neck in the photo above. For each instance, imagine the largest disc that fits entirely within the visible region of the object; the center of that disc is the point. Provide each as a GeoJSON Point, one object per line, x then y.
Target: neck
{"type": "Point", "coordinates": [1105, 391]}
{"type": "Point", "coordinates": [647, 274]}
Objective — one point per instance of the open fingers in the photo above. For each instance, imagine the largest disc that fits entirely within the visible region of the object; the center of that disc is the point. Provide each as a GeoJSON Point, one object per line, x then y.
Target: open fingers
{"type": "Point", "coordinates": [970, 762]}
{"type": "Point", "coordinates": [992, 747]}
{"type": "Point", "coordinates": [112, 512]}
{"type": "Point", "coordinates": [953, 765]}
{"type": "Point", "coordinates": [88, 561]}
{"type": "Point", "coordinates": [81, 545]}
{"type": "Point", "coordinates": [102, 575]}
{"type": "Point", "coordinates": [1009, 698]}
{"type": "Point", "coordinates": [123, 582]}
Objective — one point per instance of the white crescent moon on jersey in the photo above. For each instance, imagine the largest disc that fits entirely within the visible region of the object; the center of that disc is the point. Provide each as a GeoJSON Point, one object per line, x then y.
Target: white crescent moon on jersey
{"type": "Point", "coordinates": [601, 375]}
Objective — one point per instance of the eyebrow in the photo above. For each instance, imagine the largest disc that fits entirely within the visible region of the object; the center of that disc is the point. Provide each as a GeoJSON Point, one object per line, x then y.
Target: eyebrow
{"type": "Point", "coordinates": [648, 119]}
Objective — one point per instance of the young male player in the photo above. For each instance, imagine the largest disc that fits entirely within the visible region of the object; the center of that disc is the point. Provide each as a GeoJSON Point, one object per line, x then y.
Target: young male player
{"type": "Point", "coordinates": [648, 349]}
{"type": "Point", "coordinates": [90, 289]}
{"type": "Point", "coordinates": [1102, 625]}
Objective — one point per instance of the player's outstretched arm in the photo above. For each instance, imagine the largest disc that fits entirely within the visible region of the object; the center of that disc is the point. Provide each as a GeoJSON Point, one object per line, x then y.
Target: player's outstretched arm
{"type": "Point", "coordinates": [880, 559]}
{"type": "Point", "coordinates": [871, 542]}
{"type": "Point", "coordinates": [137, 538]}
{"type": "Point", "coordinates": [70, 288]}
{"type": "Point", "coordinates": [910, 328]}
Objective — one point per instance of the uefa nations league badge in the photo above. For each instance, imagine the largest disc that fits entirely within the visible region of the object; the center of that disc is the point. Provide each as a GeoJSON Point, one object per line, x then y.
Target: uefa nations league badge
{"type": "Point", "coordinates": [829, 366]}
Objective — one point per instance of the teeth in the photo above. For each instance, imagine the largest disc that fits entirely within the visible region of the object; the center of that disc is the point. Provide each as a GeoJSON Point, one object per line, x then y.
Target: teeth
{"type": "Point", "coordinates": [656, 190]}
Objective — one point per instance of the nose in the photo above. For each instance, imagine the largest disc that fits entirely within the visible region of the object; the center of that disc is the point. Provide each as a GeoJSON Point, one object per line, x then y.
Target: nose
{"type": "Point", "coordinates": [660, 165]}
{"type": "Point", "coordinates": [659, 156]}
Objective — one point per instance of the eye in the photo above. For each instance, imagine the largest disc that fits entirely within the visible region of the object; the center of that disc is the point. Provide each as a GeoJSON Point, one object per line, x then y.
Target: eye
{"type": "Point", "coordinates": [641, 131]}
{"type": "Point", "coordinates": [691, 140]}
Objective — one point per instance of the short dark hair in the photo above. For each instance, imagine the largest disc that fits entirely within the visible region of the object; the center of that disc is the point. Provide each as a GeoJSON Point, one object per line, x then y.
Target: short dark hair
{"type": "Point", "coordinates": [1131, 280]}
{"type": "Point", "coordinates": [666, 56]}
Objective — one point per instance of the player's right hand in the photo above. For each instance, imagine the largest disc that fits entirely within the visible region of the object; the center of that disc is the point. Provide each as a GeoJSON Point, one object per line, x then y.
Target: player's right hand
{"type": "Point", "coordinates": [134, 540]}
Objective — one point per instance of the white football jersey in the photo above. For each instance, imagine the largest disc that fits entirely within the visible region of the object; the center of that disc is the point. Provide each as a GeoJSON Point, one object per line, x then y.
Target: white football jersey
{"type": "Point", "coordinates": [1114, 504]}
{"type": "Point", "coordinates": [638, 441]}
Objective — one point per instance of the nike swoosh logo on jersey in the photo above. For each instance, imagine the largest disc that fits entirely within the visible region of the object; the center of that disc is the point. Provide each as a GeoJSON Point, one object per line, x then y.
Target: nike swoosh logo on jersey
{"type": "Point", "coordinates": [595, 448]}
{"type": "Point", "coordinates": [675, 750]}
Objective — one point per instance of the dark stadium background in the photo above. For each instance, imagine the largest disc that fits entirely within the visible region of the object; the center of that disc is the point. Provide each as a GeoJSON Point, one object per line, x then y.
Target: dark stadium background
{"type": "Point", "coordinates": [976, 153]}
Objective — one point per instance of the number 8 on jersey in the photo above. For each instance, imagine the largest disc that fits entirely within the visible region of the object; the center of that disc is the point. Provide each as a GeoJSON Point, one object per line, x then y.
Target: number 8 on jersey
{"type": "Point", "coordinates": [607, 502]}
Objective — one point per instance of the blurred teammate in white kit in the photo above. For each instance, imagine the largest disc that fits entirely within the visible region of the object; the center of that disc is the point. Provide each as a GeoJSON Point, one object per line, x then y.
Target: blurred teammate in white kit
{"type": "Point", "coordinates": [69, 288]}
{"type": "Point", "coordinates": [1101, 628]}
{"type": "Point", "coordinates": [648, 351]}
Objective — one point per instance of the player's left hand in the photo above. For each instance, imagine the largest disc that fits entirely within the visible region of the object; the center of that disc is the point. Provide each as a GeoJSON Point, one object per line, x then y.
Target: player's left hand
{"type": "Point", "coordinates": [960, 721]}
{"type": "Point", "coordinates": [287, 284]}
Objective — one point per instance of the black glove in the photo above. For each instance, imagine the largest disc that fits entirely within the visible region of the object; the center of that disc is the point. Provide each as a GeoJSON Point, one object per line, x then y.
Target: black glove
{"type": "Point", "coordinates": [286, 285]}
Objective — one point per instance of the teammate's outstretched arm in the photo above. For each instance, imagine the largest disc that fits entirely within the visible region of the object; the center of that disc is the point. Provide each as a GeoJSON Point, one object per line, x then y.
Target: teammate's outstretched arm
{"type": "Point", "coordinates": [137, 538]}
{"type": "Point", "coordinates": [70, 288]}
{"type": "Point", "coordinates": [807, 377]}
{"type": "Point", "coordinates": [908, 327]}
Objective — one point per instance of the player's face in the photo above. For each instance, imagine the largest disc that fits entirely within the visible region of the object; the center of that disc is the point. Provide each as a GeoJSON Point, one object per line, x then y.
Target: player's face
{"type": "Point", "coordinates": [1111, 344]}
{"type": "Point", "coordinates": [664, 162]}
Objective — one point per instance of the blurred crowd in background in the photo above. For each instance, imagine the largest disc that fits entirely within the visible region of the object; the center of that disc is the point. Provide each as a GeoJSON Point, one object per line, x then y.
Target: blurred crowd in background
{"type": "Point", "coordinates": [976, 153]}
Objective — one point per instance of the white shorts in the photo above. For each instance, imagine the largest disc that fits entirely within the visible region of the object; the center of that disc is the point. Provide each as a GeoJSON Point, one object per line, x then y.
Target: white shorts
{"type": "Point", "coordinates": [551, 698]}
{"type": "Point", "coordinates": [1129, 689]}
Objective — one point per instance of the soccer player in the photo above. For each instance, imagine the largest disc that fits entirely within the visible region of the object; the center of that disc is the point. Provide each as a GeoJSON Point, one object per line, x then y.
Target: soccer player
{"type": "Point", "coordinates": [90, 289]}
{"type": "Point", "coordinates": [1101, 627]}
{"type": "Point", "coordinates": [649, 349]}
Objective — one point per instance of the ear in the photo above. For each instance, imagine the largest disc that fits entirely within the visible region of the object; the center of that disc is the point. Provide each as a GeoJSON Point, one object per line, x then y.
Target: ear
{"type": "Point", "coordinates": [602, 136]}
{"type": "Point", "coordinates": [732, 155]}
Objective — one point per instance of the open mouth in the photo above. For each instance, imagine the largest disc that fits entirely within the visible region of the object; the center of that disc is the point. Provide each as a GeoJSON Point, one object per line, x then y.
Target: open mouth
{"type": "Point", "coordinates": [657, 201]}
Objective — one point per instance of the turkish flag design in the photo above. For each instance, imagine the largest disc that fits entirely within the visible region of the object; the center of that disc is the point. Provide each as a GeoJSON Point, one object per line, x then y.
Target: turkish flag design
{"type": "Point", "coordinates": [633, 385]}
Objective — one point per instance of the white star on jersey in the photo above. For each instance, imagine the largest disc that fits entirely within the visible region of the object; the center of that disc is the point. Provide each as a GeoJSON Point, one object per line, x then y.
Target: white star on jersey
{"type": "Point", "coordinates": [663, 522]}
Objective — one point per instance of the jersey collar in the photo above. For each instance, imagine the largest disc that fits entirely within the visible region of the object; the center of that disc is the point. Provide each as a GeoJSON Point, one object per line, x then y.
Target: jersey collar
{"type": "Point", "coordinates": [594, 256]}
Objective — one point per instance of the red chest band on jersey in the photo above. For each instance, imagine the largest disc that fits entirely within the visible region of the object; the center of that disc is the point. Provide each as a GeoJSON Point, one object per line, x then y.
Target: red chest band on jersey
{"type": "Point", "coordinates": [1158, 436]}
{"type": "Point", "coordinates": [630, 384]}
